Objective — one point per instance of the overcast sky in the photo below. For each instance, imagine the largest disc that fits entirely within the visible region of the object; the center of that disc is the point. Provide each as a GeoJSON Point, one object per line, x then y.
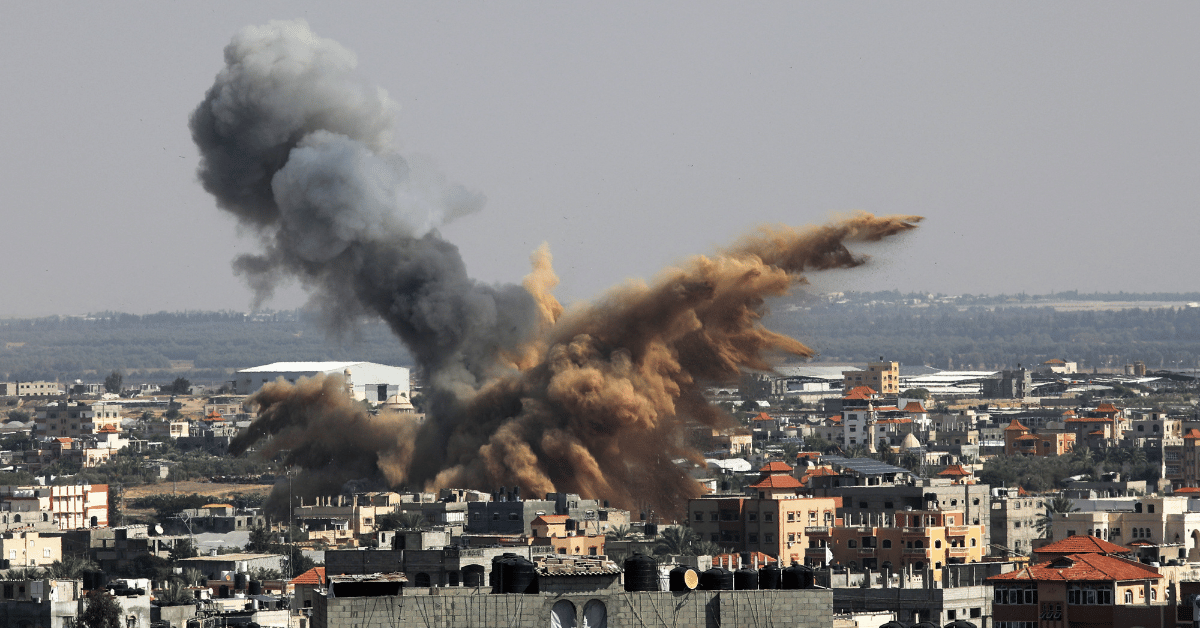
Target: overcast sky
{"type": "Point", "coordinates": [1051, 146]}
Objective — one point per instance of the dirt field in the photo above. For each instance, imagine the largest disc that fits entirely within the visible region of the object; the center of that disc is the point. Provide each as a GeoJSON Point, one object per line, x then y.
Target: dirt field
{"type": "Point", "coordinates": [187, 488]}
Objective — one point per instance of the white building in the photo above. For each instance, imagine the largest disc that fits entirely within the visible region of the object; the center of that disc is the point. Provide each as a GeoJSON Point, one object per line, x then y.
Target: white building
{"type": "Point", "coordinates": [366, 381]}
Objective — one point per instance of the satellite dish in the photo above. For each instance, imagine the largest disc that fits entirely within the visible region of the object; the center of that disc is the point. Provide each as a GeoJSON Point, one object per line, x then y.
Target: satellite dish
{"type": "Point", "coordinates": [158, 529]}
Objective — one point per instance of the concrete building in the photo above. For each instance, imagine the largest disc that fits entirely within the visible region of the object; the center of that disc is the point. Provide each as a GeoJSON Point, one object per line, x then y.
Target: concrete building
{"type": "Point", "coordinates": [365, 381]}
{"type": "Point", "coordinates": [917, 541]}
{"type": "Point", "coordinates": [776, 520]}
{"type": "Point", "coordinates": [1014, 517]}
{"type": "Point", "coordinates": [507, 513]}
{"type": "Point", "coordinates": [1162, 528]}
{"type": "Point", "coordinates": [882, 377]}
{"type": "Point", "coordinates": [812, 608]}
{"type": "Point", "coordinates": [221, 566]}
{"type": "Point", "coordinates": [69, 507]}
{"type": "Point", "coordinates": [45, 603]}
{"type": "Point", "coordinates": [29, 549]}
{"type": "Point", "coordinates": [1020, 440]}
{"type": "Point", "coordinates": [77, 419]}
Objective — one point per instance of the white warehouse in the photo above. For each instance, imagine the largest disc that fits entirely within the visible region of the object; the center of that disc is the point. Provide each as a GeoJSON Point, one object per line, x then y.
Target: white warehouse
{"type": "Point", "coordinates": [367, 381]}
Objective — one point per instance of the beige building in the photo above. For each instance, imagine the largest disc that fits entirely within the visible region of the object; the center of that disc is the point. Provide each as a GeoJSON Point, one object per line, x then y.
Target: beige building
{"type": "Point", "coordinates": [29, 549]}
{"type": "Point", "coordinates": [68, 507]}
{"type": "Point", "coordinates": [72, 420]}
{"type": "Point", "coordinates": [882, 377]}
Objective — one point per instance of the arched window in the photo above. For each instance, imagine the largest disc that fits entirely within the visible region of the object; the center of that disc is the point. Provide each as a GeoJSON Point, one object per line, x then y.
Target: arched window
{"type": "Point", "coordinates": [937, 544]}
{"type": "Point", "coordinates": [16, 518]}
{"type": "Point", "coordinates": [973, 542]}
{"type": "Point", "coordinates": [595, 614]}
{"type": "Point", "coordinates": [1129, 597]}
{"type": "Point", "coordinates": [562, 615]}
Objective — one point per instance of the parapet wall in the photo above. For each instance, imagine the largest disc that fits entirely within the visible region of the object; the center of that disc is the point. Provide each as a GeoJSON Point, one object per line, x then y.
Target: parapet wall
{"type": "Point", "coordinates": [812, 608]}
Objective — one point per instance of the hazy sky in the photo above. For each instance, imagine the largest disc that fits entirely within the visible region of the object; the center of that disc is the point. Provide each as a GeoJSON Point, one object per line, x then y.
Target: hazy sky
{"type": "Point", "coordinates": [1051, 146]}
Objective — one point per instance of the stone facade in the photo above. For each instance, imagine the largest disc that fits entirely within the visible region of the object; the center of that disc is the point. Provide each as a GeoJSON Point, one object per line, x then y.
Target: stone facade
{"type": "Point", "coordinates": [812, 608]}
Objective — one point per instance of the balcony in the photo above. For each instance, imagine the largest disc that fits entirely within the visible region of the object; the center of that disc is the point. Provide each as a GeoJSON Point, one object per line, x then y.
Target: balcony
{"type": "Point", "coordinates": [916, 551]}
{"type": "Point", "coordinates": [957, 530]}
{"type": "Point", "coordinates": [866, 551]}
{"type": "Point", "coordinates": [818, 552]}
{"type": "Point", "coordinates": [913, 532]}
{"type": "Point", "coordinates": [959, 552]}
{"type": "Point", "coordinates": [817, 530]}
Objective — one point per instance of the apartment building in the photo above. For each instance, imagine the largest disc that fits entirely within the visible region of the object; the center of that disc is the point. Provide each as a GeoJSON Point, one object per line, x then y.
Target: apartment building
{"type": "Point", "coordinates": [915, 541]}
{"type": "Point", "coordinates": [69, 507]}
{"type": "Point", "coordinates": [882, 376]}
{"type": "Point", "coordinates": [73, 420]}
{"type": "Point", "coordinates": [1020, 440]}
{"type": "Point", "coordinates": [1161, 528]}
{"type": "Point", "coordinates": [29, 549]}
{"type": "Point", "coordinates": [773, 518]}
{"type": "Point", "coordinates": [1014, 518]}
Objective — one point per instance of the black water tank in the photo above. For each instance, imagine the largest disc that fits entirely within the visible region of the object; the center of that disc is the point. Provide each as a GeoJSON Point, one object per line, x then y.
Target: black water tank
{"type": "Point", "coordinates": [770, 578]}
{"type": "Point", "coordinates": [683, 578]}
{"type": "Point", "coordinates": [496, 579]}
{"type": "Point", "coordinates": [255, 587]}
{"type": "Point", "coordinates": [798, 577]}
{"type": "Point", "coordinates": [716, 579]}
{"type": "Point", "coordinates": [520, 576]}
{"type": "Point", "coordinates": [641, 573]}
{"type": "Point", "coordinates": [223, 592]}
{"type": "Point", "coordinates": [472, 576]}
{"type": "Point", "coordinates": [240, 581]}
{"type": "Point", "coordinates": [650, 529]}
{"type": "Point", "coordinates": [745, 580]}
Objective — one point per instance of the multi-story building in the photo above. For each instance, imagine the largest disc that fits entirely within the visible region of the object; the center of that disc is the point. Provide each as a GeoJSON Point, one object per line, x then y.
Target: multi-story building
{"type": "Point", "coordinates": [360, 511]}
{"type": "Point", "coordinates": [881, 376]}
{"type": "Point", "coordinates": [1015, 384]}
{"type": "Point", "coordinates": [69, 507]}
{"type": "Point", "coordinates": [915, 541]}
{"type": "Point", "coordinates": [1162, 528]}
{"type": "Point", "coordinates": [507, 513]}
{"type": "Point", "coordinates": [29, 549]}
{"type": "Point", "coordinates": [72, 420]}
{"type": "Point", "coordinates": [557, 532]}
{"type": "Point", "coordinates": [1086, 589]}
{"type": "Point", "coordinates": [1014, 518]}
{"type": "Point", "coordinates": [1021, 440]}
{"type": "Point", "coordinates": [773, 518]}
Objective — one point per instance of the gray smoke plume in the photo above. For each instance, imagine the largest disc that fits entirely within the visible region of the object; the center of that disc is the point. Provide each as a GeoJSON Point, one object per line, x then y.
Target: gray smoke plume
{"type": "Point", "coordinates": [298, 146]}
{"type": "Point", "coordinates": [599, 399]}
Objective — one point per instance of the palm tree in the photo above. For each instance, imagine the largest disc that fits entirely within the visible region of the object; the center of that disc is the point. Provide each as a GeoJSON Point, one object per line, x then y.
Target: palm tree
{"type": "Point", "coordinates": [705, 548]}
{"type": "Point", "coordinates": [413, 521]}
{"type": "Point", "coordinates": [675, 540]}
{"type": "Point", "coordinates": [1060, 504]}
{"type": "Point", "coordinates": [71, 567]}
{"type": "Point", "coordinates": [618, 533]}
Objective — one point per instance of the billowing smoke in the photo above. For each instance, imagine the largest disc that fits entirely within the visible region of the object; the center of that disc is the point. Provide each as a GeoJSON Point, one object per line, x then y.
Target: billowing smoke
{"type": "Point", "coordinates": [596, 400]}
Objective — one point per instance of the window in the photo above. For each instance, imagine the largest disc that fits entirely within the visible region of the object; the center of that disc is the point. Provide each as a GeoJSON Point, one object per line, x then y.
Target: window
{"type": "Point", "coordinates": [1129, 597]}
{"type": "Point", "coordinates": [852, 543]}
{"type": "Point", "coordinates": [699, 516]}
{"type": "Point", "coordinates": [714, 516]}
{"type": "Point", "coordinates": [768, 538]}
{"type": "Point", "coordinates": [753, 516]}
{"type": "Point", "coordinates": [937, 545]}
{"type": "Point", "coordinates": [495, 516]}
{"type": "Point", "coordinates": [862, 504]}
{"type": "Point", "coordinates": [753, 538]}
{"type": "Point", "coordinates": [888, 505]}
{"type": "Point", "coordinates": [887, 543]}
{"type": "Point", "coordinates": [46, 552]}
{"type": "Point", "coordinates": [791, 517]}
{"type": "Point", "coordinates": [767, 516]}
{"type": "Point", "coordinates": [512, 516]}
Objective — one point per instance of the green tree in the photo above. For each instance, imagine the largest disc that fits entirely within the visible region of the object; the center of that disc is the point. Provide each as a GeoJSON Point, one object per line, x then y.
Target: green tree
{"type": "Point", "coordinates": [71, 567]}
{"type": "Point", "coordinates": [112, 383]}
{"type": "Point", "coordinates": [101, 610]}
{"type": "Point", "coordinates": [183, 548]}
{"type": "Point", "coordinates": [1060, 504]}
{"type": "Point", "coordinates": [618, 533]}
{"type": "Point", "coordinates": [181, 386]}
{"type": "Point", "coordinates": [915, 393]}
{"type": "Point", "coordinates": [675, 540]}
{"type": "Point", "coordinates": [19, 415]}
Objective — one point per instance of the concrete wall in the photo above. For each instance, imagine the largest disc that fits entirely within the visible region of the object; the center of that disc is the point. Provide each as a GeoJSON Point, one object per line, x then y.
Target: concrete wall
{"type": "Point", "coordinates": [708, 609]}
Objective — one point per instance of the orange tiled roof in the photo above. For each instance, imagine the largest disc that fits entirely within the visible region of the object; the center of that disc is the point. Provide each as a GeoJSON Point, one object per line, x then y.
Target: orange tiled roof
{"type": "Point", "coordinates": [1107, 408]}
{"type": "Point", "coordinates": [1069, 413]}
{"type": "Point", "coordinates": [65, 440]}
{"type": "Point", "coordinates": [1188, 489]}
{"type": "Point", "coordinates": [1192, 433]}
{"type": "Point", "coordinates": [552, 519]}
{"type": "Point", "coordinates": [777, 481]}
{"type": "Point", "coordinates": [763, 416]}
{"type": "Point", "coordinates": [316, 576]}
{"type": "Point", "coordinates": [776, 466]}
{"type": "Point", "coordinates": [1015, 425]}
{"type": "Point", "coordinates": [1026, 437]}
{"type": "Point", "coordinates": [1054, 361]}
{"type": "Point", "coordinates": [888, 409]}
{"type": "Point", "coordinates": [955, 470]}
{"type": "Point", "coordinates": [904, 420]}
{"type": "Point", "coordinates": [820, 472]}
{"type": "Point", "coordinates": [1096, 433]}
{"type": "Point", "coordinates": [1081, 544]}
{"type": "Point", "coordinates": [1082, 568]}
{"type": "Point", "coordinates": [914, 406]}
{"type": "Point", "coordinates": [808, 455]}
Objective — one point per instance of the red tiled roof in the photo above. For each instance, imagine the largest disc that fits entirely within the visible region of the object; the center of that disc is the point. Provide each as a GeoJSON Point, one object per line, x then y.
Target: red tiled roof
{"type": "Point", "coordinates": [1188, 489]}
{"type": "Point", "coordinates": [808, 455]}
{"type": "Point", "coordinates": [820, 472]}
{"type": "Point", "coordinates": [955, 470]}
{"type": "Point", "coordinates": [1082, 568]}
{"type": "Point", "coordinates": [777, 481]}
{"type": "Point", "coordinates": [552, 519]}
{"type": "Point", "coordinates": [316, 576]}
{"type": "Point", "coordinates": [1096, 433]}
{"type": "Point", "coordinates": [1192, 433]}
{"type": "Point", "coordinates": [913, 406]}
{"type": "Point", "coordinates": [904, 420]}
{"type": "Point", "coordinates": [1081, 544]}
{"type": "Point", "coordinates": [1091, 420]}
{"type": "Point", "coordinates": [1015, 425]}
{"type": "Point", "coordinates": [1069, 413]}
{"type": "Point", "coordinates": [776, 466]}
{"type": "Point", "coordinates": [763, 416]}
{"type": "Point", "coordinates": [1107, 408]}
{"type": "Point", "coordinates": [1026, 437]}
{"type": "Point", "coordinates": [65, 440]}
{"type": "Point", "coordinates": [1054, 361]}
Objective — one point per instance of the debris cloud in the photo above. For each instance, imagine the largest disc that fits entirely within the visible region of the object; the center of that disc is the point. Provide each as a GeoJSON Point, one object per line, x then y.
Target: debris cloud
{"type": "Point", "coordinates": [595, 399]}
